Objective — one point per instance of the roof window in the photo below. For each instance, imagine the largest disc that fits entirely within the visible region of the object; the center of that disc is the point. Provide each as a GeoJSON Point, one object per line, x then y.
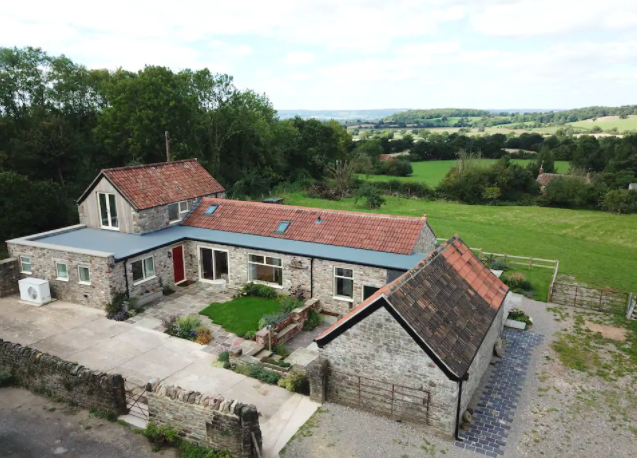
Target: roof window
{"type": "Point", "coordinates": [319, 220]}
{"type": "Point", "coordinates": [211, 210]}
{"type": "Point", "coordinates": [283, 226]}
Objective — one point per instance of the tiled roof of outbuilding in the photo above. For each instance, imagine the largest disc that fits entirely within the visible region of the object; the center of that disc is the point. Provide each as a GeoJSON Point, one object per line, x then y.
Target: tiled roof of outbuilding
{"type": "Point", "coordinates": [151, 185]}
{"type": "Point", "coordinates": [449, 300]}
{"type": "Point", "coordinates": [367, 231]}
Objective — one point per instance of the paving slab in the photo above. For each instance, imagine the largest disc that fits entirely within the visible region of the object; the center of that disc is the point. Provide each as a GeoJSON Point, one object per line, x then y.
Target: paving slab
{"type": "Point", "coordinates": [202, 376]}
{"type": "Point", "coordinates": [267, 398]}
{"type": "Point", "coordinates": [161, 362]}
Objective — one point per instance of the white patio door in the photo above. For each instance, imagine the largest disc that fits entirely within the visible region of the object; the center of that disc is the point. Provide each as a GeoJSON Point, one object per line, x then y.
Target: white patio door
{"type": "Point", "coordinates": [213, 264]}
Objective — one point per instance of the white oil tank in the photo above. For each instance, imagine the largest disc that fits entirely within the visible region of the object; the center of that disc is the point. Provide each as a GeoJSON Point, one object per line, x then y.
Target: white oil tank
{"type": "Point", "coordinates": [35, 291]}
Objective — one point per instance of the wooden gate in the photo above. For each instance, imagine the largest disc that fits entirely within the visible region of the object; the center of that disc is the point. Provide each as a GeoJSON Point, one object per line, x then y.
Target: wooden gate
{"type": "Point", "coordinates": [396, 401]}
{"type": "Point", "coordinates": [601, 300]}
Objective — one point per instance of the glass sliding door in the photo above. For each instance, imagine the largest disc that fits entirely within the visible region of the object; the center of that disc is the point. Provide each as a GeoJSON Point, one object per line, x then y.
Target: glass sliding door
{"type": "Point", "coordinates": [212, 263]}
{"type": "Point", "coordinates": [221, 264]}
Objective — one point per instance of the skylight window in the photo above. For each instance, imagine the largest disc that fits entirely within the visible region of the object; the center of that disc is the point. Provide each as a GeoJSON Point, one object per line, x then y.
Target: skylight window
{"type": "Point", "coordinates": [211, 210]}
{"type": "Point", "coordinates": [283, 226]}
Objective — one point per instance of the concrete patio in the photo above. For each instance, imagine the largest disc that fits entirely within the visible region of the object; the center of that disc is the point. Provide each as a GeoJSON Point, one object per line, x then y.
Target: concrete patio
{"type": "Point", "coordinates": [140, 353]}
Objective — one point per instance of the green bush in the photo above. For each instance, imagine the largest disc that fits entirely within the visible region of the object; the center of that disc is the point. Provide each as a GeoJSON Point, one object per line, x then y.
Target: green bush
{"type": "Point", "coordinates": [6, 379]}
{"type": "Point", "coordinates": [279, 363]}
{"type": "Point", "coordinates": [397, 167]}
{"type": "Point", "coordinates": [257, 290]}
{"type": "Point", "coordinates": [313, 320]}
{"type": "Point", "coordinates": [271, 319]}
{"type": "Point", "coordinates": [370, 195]}
{"type": "Point", "coordinates": [281, 350]}
{"type": "Point", "coordinates": [184, 327]}
{"type": "Point", "coordinates": [289, 303]}
{"type": "Point", "coordinates": [264, 375]}
{"type": "Point", "coordinates": [224, 357]}
{"type": "Point", "coordinates": [519, 315]}
{"type": "Point", "coordinates": [296, 382]}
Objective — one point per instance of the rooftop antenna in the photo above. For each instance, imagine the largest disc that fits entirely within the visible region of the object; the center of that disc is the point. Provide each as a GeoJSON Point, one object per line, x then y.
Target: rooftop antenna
{"type": "Point", "coordinates": [167, 146]}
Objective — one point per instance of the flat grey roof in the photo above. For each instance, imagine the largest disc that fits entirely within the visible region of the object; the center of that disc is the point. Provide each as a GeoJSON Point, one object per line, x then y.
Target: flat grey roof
{"type": "Point", "coordinates": [124, 246]}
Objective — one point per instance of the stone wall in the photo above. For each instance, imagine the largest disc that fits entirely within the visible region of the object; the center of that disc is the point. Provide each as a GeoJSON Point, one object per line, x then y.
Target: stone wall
{"type": "Point", "coordinates": [52, 376]}
{"type": "Point", "coordinates": [426, 243]}
{"type": "Point", "coordinates": [153, 219]}
{"type": "Point", "coordinates": [222, 424]}
{"type": "Point", "coordinates": [288, 327]}
{"type": "Point", "coordinates": [380, 350]}
{"type": "Point", "coordinates": [97, 294]}
{"type": "Point", "coordinates": [482, 359]}
{"type": "Point", "coordinates": [164, 271]}
{"type": "Point", "coordinates": [9, 276]}
{"type": "Point", "coordinates": [323, 274]}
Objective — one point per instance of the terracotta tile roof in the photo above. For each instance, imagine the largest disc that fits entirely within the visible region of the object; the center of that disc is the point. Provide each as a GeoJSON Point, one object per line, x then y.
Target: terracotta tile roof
{"type": "Point", "coordinates": [449, 300]}
{"type": "Point", "coordinates": [151, 185]}
{"type": "Point", "coordinates": [367, 231]}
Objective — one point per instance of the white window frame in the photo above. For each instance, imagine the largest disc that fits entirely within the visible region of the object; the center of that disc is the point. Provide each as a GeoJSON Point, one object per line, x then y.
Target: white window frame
{"type": "Point", "coordinates": [144, 277]}
{"type": "Point", "coordinates": [79, 275]}
{"type": "Point", "coordinates": [261, 282]}
{"type": "Point", "coordinates": [214, 262]}
{"type": "Point", "coordinates": [57, 271]}
{"type": "Point", "coordinates": [22, 271]}
{"type": "Point", "coordinates": [110, 226]}
{"type": "Point", "coordinates": [335, 295]}
{"type": "Point", "coordinates": [180, 213]}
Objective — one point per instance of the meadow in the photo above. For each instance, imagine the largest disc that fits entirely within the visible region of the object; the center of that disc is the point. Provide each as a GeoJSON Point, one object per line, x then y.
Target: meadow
{"type": "Point", "coordinates": [596, 248]}
{"type": "Point", "coordinates": [433, 172]}
{"type": "Point", "coordinates": [608, 122]}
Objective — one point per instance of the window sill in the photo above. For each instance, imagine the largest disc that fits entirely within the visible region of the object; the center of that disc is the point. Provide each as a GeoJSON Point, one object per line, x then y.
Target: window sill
{"type": "Point", "coordinates": [177, 221]}
{"type": "Point", "coordinates": [84, 283]}
{"type": "Point", "coordinates": [27, 273]}
{"type": "Point", "coordinates": [62, 279]}
{"type": "Point", "coordinates": [271, 285]}
{"type": "Point", "coordinates": [107, 228]}
{"type": "Point", "coordinates": [343, 298]}
{"type": "Point", "coordinates": [144, 280]}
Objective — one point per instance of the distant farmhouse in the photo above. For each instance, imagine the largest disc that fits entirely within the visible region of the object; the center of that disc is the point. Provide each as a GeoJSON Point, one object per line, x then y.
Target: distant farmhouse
{"type": "Point", "coordinates": [386, 157]}
{"type": "Point", "coordinates": [632, 187]}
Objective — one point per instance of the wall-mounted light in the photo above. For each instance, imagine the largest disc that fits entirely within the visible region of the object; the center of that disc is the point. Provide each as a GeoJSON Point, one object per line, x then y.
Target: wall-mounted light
{"type": "Point", "coordinates": [170, 255]}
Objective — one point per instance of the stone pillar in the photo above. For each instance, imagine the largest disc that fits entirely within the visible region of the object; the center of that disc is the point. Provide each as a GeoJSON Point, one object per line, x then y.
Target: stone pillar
{"type": "Point", "coordinates": [249, 426]}
{"type": "Point", "coordinates": [9, 276]}
{"type": "Point", "coordinates": [317, 375]}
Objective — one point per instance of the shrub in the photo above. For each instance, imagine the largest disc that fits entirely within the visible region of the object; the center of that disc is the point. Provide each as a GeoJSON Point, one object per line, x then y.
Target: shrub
{"type": "Point", "coordinates": [250, 334]}
{"type": "Point", "coordinates": [620, 201]}
{"type": "Point", "coordinates": [516, 281]}
{"type": "Point", "coordinates": [289, 303]}
{"type": "Point", "coordinates": [313, 320]}
{"type": "Point", "coordinates": [115, 306]}
{"type": "Point", "coordinates": [184, 327]}
{"type": "Point", "coordinates": [204, 335]}
{"type": "Point", "coordinates": [499, 265]}
{"type": "Point", "coordinates": [298, 292]}
{"type": "Point", "coordinates": [281, 350]}
{"type": "Point", "coordinates": [6, 379]}
{"type": "Point", "coordinates": [271, 319]}
{"type": "Point", "coordinates": [321, 190]}
{"type": "Point", "coordinates": [296, 382]}
{"type": "Point", "coordinates": [565, 192]}
{"type": "Point", "coordinates": [224, 357]}
{"type": "Point", "coordinates": [519, 315]}
{"type": "Point", "coordinates": [370, 194]}
{"type": "Point", "coordinates": [266, 376]}
{"type": "Point", "coordinates": [257, 290]}
{"type": "Point", "coordinates": [397, 167]}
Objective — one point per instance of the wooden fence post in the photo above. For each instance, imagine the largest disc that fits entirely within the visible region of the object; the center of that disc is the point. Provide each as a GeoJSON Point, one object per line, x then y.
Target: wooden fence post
{"type": "Point", "coordinates": [480, 254]}
{"type": "Point", "coordinates": [530, 263]}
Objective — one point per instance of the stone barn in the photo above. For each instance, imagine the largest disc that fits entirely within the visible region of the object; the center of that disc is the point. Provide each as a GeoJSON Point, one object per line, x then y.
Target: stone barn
{"type": "Point", "coordinates": [418, 348]}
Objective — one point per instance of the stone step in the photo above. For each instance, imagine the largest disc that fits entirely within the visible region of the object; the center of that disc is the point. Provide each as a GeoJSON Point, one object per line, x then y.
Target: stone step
{"type": "Point", "coordinates": [276, 357]}
{"type": "Point", "coordinates": [263, 354]}
{"type": "Point", "coordinates": [287, 330]}
{"type": "Point", "coordinates": [255, 350]}
{"type": "Point", "coordinates": [249, 359]}
{"type": "Point", "coordinates": [133, 421]}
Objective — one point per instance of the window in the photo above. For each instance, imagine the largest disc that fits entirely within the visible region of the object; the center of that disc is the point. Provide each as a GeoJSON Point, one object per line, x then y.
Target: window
{"type": "Point", "coordinates": [62, 271]}
{"type": "Point", "coordinates": [177, 210]}
{"type": "Point", "coordinates": [85, 275]}
{"type": "Point", "coordinates": [143, 270]}
{"type": "Point", "coordinates": [108, 210]}
{"type": "Point", "coordinates": [283, 226]}
{"type": "Point", "coordinates": [211, 210]}
{"type": "Point", "coordinates": [265, 269]}
{"type": "Point", "coordinates": [25, 265]}
{"type": "Point", "coordinates": [343, 283]}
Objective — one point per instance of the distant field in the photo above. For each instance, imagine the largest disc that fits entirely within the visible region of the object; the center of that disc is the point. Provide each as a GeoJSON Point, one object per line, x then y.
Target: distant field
{"type": "Point", "coordinates": [433, 172]}
{"type": "Point", "coordinates": [608, 122]}
{"type": "Point", "coordinates": [597, 248]}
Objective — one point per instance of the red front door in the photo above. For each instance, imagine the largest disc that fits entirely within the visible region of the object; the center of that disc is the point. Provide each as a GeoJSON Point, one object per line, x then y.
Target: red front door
{"type": "Point", "coordinates": [178, 264]}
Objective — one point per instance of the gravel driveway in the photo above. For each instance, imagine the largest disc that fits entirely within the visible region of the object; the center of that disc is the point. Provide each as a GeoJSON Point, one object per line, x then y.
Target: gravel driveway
{"type": "Point", "coordinates": [561, 413]}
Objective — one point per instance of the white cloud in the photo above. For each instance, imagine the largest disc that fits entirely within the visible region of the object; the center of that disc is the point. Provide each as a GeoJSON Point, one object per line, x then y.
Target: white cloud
{"type": "Point", "coordinates": [300, 58]}
{"type": "Point", "coordinates": [554, 17]}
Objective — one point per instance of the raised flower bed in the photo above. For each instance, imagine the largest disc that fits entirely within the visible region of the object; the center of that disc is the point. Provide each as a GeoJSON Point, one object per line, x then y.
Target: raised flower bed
{"type": "Point", "coordinates": [518, 319]}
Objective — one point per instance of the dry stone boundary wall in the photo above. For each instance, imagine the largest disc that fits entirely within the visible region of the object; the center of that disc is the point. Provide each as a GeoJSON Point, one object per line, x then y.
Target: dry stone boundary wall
{"type": "Point", "coordinates": [222, 424]}
{"type": "Point", "coordinates": [9, 276]}
{"type": "Point", "coordinates": [70, 382]}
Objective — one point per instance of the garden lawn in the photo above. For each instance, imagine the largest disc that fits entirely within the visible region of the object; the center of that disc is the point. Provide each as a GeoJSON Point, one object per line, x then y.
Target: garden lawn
{"type": "Point", "coordinates": [242, 314]}
{"type": "Point", "coordinates": [597, 248]}
{"type": "Point", "coordinates": [433, 172]}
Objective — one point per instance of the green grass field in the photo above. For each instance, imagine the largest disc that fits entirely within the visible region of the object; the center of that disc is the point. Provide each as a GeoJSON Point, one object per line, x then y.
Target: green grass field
{"type": "Point", "coordinates": [242, 314]}
{"type": "Point", "coordinates": [613, 121]}
{"type": "Point", "coordinates": [597, 248]}
{"type": "Point", "coordinates": [432, 172]}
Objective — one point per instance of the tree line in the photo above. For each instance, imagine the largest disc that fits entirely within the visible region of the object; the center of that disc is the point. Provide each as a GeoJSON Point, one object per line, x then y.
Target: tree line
{"type": "Point", "coordinates": [60, 123]}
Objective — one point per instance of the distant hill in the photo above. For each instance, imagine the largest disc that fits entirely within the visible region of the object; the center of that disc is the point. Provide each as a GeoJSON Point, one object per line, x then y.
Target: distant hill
{"type": "Point", "coordinates": [341, 115]}
{"type": "Point", "coordinates": [417, 116]}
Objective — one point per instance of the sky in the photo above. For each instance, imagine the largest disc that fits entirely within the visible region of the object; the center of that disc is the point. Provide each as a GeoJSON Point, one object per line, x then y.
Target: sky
{"type": "Point", "coordinates": [358, 54]}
